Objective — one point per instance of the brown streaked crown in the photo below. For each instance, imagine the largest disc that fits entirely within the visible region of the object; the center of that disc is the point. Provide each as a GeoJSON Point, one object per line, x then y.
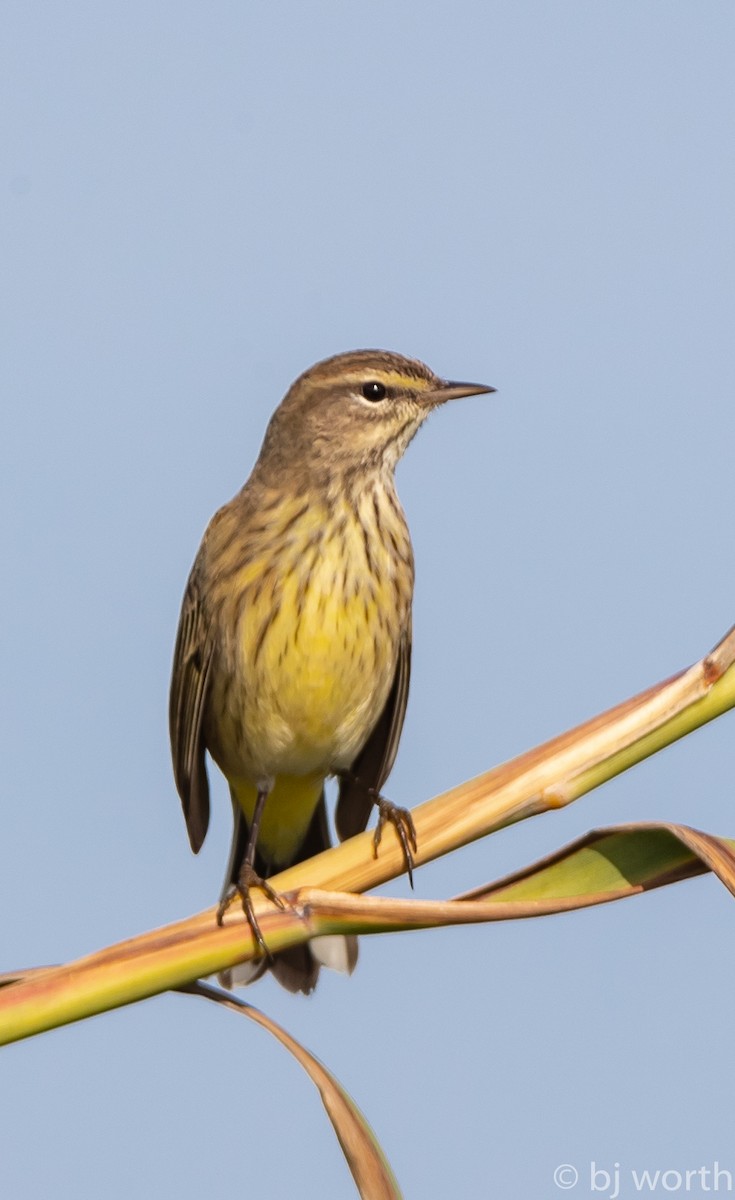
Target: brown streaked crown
{"type": "Point", "coordinates": [356, 365]}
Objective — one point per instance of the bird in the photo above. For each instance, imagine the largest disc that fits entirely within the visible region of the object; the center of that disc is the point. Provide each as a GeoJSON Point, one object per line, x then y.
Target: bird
{"type": "Point", "coordinates": [293, 652]}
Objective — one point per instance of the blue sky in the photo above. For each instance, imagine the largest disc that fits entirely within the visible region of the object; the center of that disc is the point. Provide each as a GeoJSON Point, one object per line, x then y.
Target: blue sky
{"type": "Point", "coordinates": [199, 201]}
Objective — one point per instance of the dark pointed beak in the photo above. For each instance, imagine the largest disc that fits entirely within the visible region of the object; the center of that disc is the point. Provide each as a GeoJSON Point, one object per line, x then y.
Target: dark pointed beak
{"type": "Point", "coordinates": [450, 389]}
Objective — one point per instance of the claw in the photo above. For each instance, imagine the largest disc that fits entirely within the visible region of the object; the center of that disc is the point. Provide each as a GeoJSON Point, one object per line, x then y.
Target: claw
{"type": "Point", "coordinates": [402, 822]}
{"type": "Point", "coordinates": [248, 880]}
{"type": "Point", "coordinates": [399, 818]}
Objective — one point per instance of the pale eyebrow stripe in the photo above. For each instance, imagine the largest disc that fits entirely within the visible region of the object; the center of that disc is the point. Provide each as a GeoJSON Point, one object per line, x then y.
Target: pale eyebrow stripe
{"type": "Point", "coordinates": [393, 379]}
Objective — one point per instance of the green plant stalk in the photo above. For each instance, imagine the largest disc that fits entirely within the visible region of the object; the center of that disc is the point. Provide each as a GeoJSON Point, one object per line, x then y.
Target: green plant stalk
{"type": "Point", "coordinates": [544, 778]}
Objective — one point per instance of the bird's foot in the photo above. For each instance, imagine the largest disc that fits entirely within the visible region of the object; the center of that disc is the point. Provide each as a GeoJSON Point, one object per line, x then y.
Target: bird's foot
{"type": "Point", "coordinates": [402, 822]}
{"type": "Point", "coordinates": [247, 880]}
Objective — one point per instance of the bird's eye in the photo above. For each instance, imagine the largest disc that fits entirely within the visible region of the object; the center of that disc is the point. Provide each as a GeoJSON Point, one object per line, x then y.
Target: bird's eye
{"type": "Point", "coordinates": [374, 390]}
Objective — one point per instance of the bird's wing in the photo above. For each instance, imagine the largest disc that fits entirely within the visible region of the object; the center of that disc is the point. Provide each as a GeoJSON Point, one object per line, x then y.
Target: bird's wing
{"type": "Point", "coordinates": [375, 761]}
{"type": "Point", "coordinates": [187, 700]}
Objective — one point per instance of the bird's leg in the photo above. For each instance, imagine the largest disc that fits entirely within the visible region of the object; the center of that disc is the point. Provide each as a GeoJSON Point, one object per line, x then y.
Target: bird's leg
{"type": "Point", "coordinates": [249, 878]}
{"type": "Point", "coordinates": [393, 814]}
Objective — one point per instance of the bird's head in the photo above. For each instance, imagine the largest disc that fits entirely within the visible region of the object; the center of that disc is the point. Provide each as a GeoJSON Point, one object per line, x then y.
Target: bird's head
{"type": "Point", "coordinates": [355, 412]}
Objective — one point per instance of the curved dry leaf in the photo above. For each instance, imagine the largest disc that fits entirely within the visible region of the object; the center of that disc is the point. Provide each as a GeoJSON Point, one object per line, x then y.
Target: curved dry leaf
{"type": "Point", "coordinates": [621, 860]}
{"type": "Point", "coordinates": [604, 865]}
{"type": "Point", "coordinates": [369, 1167]}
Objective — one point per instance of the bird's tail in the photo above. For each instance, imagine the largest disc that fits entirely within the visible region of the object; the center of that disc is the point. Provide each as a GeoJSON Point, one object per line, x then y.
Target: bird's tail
{"type": "Point", "coordinates": [297, 968]}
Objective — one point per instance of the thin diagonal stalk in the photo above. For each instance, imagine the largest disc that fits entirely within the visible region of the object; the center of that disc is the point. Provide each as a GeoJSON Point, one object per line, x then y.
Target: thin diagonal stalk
{"type": "Point", "coordinates": [545, 778]}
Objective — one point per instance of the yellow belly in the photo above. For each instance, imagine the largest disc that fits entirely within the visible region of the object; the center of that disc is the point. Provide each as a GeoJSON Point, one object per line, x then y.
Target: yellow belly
{"type": "Point", "coordinates": [320, 680]}
{"type": "Point", "coordinates": [312, 623]}
{"type": "Point", "coordinates": [288, 811]}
